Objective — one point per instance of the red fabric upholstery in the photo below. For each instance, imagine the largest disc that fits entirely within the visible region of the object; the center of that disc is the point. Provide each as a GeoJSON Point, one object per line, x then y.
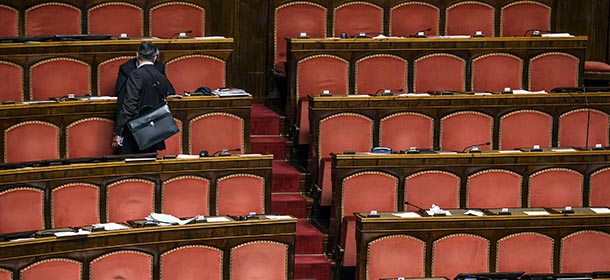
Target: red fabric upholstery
{"type": "Point", "coordinates": [173, 144]}
{"type": "Point", "coordinates": [259, 260]}
{"type": "Point", "coordinates": [468, 17]}
{"type": "Point", "coordinates": [462, 129]}
{"type": "Point", "coordinates": [187, 73]}
{"type": "Point", "coordinates": [439, 71]}
{"type": "Point", "coordinates": [52, 269]}
{"type": "Point", "coordinates": [292, 19]}
{"type": "Point", "coordinates": [21, 209]}
{"type": "Point", "coordinates": [599, 188]}
{"type": "Point", "coordinates": [52, 18]}
{"type": "Point", "coordinates": [240, 194]}
{"type": "Point", "coordinates": [116, 18]}
{"type": "Point", "coordinates": [573, 128]}
{"type": "Point", "coordinates": [31, 140]}
{"type": "Point", "coordinates": [401, 131]}
{"type": "Point", "coordinates": [551, 70]}
{"type": "Point", "coordinates": [525, 128]}
{"type": "Point", "coordinates": [494, 188]}
{"type": "Point", "coordinates": [11, 79]}
{"type": "Point", "coordinates": [129, 199]}
{"type": "Point", "coordinates": [9, 20]}
{"type": "Point", "coordinates": [585, 251]}
{"type": "Point", "coordinates": [171, 18]}
{"type": "Point", "coordinates": [496, 71]}
{"type": "Point", "coordinates": [107, 75]}
{"type": "Point", "coordinates": [314, 75]}
{"type": "Point", "coordinates": [529, 252]}
{"type": "Point", "coordinates": [395, 256]}
{"type": "Point", "coordinates": [89, 138]}
{"type": "Point", "coordinates": [348, 242]}
{"type": "Point", "coordinates": [520, 16]}
{"type": "Point", "coordinates": [555, 187]}
{"type": "Point", "coordinates": [433, 187]}
{"type": "Point", "coordinates": [216, 131]}
{"type": "Point", "coordinates": [122, 265]}
{"type": "Point", "coordinates": [597, 66]}
{"type": "Point", "coordinates": [5, 274]}
{"type": "Point", "coordinates": [458, 253]}
{"type": "Point", "coordinates": [408, 18]}
{"type": "Point", "coordinates": [186, 196]}
{"type": "Point", "coordinates": [355, 17]}
{"type": "Point", "coordinates": [74, 205]}
{"type": "Point", "coordinates": [380, 71]}
{"type": "Point", "coordinates": [192, 263]}
{"type": "Point", "coordinates": [58, 77]}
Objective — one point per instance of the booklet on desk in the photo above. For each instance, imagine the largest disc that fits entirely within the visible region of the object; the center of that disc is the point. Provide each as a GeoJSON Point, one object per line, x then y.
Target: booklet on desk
{"type": "Point", "coordinates": [230, 92]}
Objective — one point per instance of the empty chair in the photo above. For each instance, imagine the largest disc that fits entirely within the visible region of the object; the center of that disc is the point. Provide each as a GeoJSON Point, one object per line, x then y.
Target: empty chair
{"type": "Point", "coordinates": [579, 125]}
{"type": "Point", "coordinates": [31, 141]}
{"type": "Point", "coordinates": [380, 71]}
{"type": "Point", "coordinates": [395, 256]}
{"type": "Point", "coordinates": [191, 261]}
{"type": "Point", "coordinates": [89, 138]}
{"type": "Point", "coordinates": [525, 128]}
{"type": "Point", "coordinates": [116, 18]}
{"type": "Point", "coordinates": [259, 260]}
{"type": "Point", "coordinates": [187, 73]}
{"type": "Point", "coordinates": [409, 18]}
{"type": "Point", "coordinates": [168, 19]}
{"type": "Point", "coordinates": [494, 188]}
{"type": "Point", "coordinates": [357, 17]}
{"type": "Point", "coordinates": [468, 17]}
{"type": "Point", "coordinates": [107, 75]}
{"type": "Point", "coordinates": [240, 194]}
{"type": "Point", "coordinates": [5, 274]}
{"type": "Point", "coordinates": [461, 130]}
{"type": "Point", "coordinates": [11, 78]}
{"type": "Point", "coordinates": [58, 77]}
{"type": "Point", "coordinates": [555, 187]}
{"type": "Point", "coordinates": [439, 71]}
{"type": "Point", "coordinates": [52, 269]}
{"type": "Point", "coordinates": [52, 18]}
{"type": "Point", "coordinates": [74, 205]}
{"type": "Point", "coordinates": [585, 251]}
{"type": "Point", "coordinates": [496, 71]}
{"type": "Point", "coordinates": [521, 17]}
{"type": "Point", "coordinates": [404, 130]}
{"type": "Point", "coordinates": [9, 21]}
{"type": "Point", "coordinates": [186, 196]}
{"type": "Point", "coordinates": [433, 187]}
{"type": "Point", "coordinates": [456, 253]}
{"type": "Point", "coordinates": [21, 209]}
{"type": "Point", "coordinates": [129, 199]}
{"type": "Point", "coordinates": [529, 252]}
{"type": "Point", "coordinates": [230, 133]}
{"type": "Point", "coordinates": [173, 144]}
{"type": "Point", "coordinates": [124, 264]}
{"type": "Point", "coordinates": [553, 69]}
{"type": "Point", "coordinates": [599, 188]}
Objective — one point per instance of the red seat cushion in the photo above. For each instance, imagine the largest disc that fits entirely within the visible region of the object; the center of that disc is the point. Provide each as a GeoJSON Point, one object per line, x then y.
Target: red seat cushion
{"type": "Point", "coordinates": [597, 66]}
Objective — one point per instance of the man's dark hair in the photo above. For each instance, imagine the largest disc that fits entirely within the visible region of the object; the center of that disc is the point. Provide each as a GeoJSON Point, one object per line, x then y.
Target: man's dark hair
{"type": "Point", "coordinates": [147, 51]}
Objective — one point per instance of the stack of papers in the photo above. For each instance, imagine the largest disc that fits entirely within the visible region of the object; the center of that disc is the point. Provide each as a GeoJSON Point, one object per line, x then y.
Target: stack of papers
{"type": "Point", "coordinates": [230, 92]}
{"type": "Point", "coordinates": [407, 215]}
{"type": "Point", "coordinates": [166, 219]}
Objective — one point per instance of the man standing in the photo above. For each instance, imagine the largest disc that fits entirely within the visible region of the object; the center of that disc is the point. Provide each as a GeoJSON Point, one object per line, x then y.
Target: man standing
{"type": "Point", "coordinates": [126, 68]}
{"type": "Point", "coordinates": [144, 89]}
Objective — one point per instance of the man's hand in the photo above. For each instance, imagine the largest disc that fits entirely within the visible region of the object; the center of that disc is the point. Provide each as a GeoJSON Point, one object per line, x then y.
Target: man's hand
{"type": "Point", "coordinates": [117, 142]}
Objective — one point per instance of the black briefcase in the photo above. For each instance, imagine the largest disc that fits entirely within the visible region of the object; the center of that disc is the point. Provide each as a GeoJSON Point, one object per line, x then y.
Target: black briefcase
{"type": "Point", "coordinates": [153, 127]}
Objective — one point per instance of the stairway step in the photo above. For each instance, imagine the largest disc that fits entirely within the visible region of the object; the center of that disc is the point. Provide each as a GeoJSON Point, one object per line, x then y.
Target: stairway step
{"type": "Point", "coordinates": [263, 121]}
{"type": "Point", "coordinates": [309, 239]}
{"type": "Point", "coordinates": [293, 204]}
{"type": "Point", "coordinates": [268, 144]}
{"type": "Point", "coordinates": [285, 177]}
{"type": "Point", "coordinates": [312, 267]}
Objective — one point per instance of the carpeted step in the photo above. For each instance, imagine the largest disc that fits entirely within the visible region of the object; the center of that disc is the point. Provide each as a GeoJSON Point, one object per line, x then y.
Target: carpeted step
{"type": "Point", "coordinates": [309, 239]}
{"type": "Point", "coordinates": [293, 204]}
{"type": "Point", "coordinates": [312, 267]}
{"type": "Point", "coordinates": [265, 145]}
{"type": "Point", "coordinates": [285, 177]}
{"type": "Point", "coordinates": [263, 121]}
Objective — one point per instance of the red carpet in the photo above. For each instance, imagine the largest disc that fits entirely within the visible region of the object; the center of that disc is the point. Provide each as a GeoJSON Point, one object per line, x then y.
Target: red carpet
{"type": "Point", "coordinates": [285, 178]}
{"type": "Point", "coordinates": [309, 239]}
{"type": "Point", "coordinates": [289, 204]}
{"type": "Point", "coordinates": [264, 121]}
{"type": "Point", "coordinates": [266, 145]}
{"type": "Point", "coordinates": [311, 267]}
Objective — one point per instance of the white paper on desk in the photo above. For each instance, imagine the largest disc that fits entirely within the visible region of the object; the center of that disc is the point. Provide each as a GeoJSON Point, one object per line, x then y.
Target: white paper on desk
{"type": "Point", "coordinates": [183, 156]}
{"type": "Point", "coordinates": [474, 213]}
{"type": "Point", "coordinates": [217, 219]}
{"type": "Point", "coordinates": [278, 217]}
{"type": "Point", "coordinates": [535, 213]}
{"type": "Point", "coordinates": [168, 219]}
{"type": "Point", "coordinates": [414, 94]}
{"type": "Point", "coordinates": [556, 35]}
{"type": "Point", "coordinates": [72, 233]}
{"type": "Point", "coordinates": [563, 149]}
{"type": "Point", "coordinates": [602, 210]}
{"type": "Point", "coordinates": [483, 93]}
{"type": "Point", "coordinates": [95, 98]}
{"type": "Point", "coordinates": [22, 239]}
{"type": "Point", "coordinates": [358, 95]}
{"type": "Point", "coordinates": [111, 226]}
{"type": "Point", "coordinates": [249, 155]}
{"type": "Point", "coordinates": [447, 153]}
{"type": "Point", "coordinates": [522, 91]}
{"type": "Point", "coordinates": [407, 215]}
{"type": "Point", "coordinates": [209, 37]}
{"type": "Point", "coordinates": [508, 151]}
{"type": "Point", "coordinates": [442, 212]}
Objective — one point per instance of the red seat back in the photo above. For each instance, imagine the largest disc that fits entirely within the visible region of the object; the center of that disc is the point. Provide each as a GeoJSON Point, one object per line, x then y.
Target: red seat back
{"type": "Point", "coordinates": [5, 274]}
{"type": "Point", "coordinates": [599, 188]}
{"type": "Point", "coordinates": [529, 252]}
{"type": "Point", "coordinates": [555, 187]}
{"type": "Point", "coordinates": [259, 260]}
{"type": "Point", "coordinates": [468, 17]}
{"type": "Point", "coordinates": [494, 188]}
{"type": "Point", "coordinates": [461, 130]}
{"type": "Point", "coordinates": [192, 262]}
{"type": "Point", "coordinates": [107, 75]}
{"type": "Point", "coordinates": [524, 129]}
{"type": "Point", "coordinates": [433, 187]}
{"type": "Point", "coordinates": [585, 251]}
{"type": "Point", "coordinates": [129, 199]}
{"type": "Point", "coordinates": [52, 18]}
{"type": "Point", "coordinates": [294, 18]}
{"type": "Point", "coordinates": [381, 71]}
{"type": "Point", "coordinates": [213, 132]}
{"type": "Point", "coordinates": [74, 205]}
{"type": "Point", "coordinates": [573, 128]}
{"type": "Point", "coordinates": [89, 138]}
{"type": "Point", "coordinates": [116, 18]}
{"type": "Point", "coordinates": [186, 196]}
{"type": "Point", "coordinates": [188, 73]}
{"type": "Point", "coordinates": [52, 269]}
{"type": "Point", "coordinates": [31, 141]}
{"type": "Point", "coordinates": [496, 71]}
{"type": "Point", "coordinates": [21, 209]}
{"type": "Point", "coordinates": [9, 21]}
{"type": "Point", "coordinates": [11, 79]}
{"type": "Point", "coordinates": [58, 77]}
{"type": "Point", "coordinates": [173, 144]}
{"type": "Point", "coordinates": [354, 18]}
{"type": "Point", "coordinates": [240, 194]}
{"type": "Point", "coordinates": [170, 18]}
{"type": "Point", "coordinates": [124, 264]}
{"type": "Point", "coordinates": [401, 131]}
{"type": "Point", "coordinates": [410, 17]}
{"type": "Point", "coordinates": [395, 256]}
{"type": "Point", "coordinates": [456, 253]}
{"type": "Point", "coordinates": [439, 71]}
{"type": "Point", "coordinates": [519, 17]}
{"type": "Point", "coordinates": [550, 70]}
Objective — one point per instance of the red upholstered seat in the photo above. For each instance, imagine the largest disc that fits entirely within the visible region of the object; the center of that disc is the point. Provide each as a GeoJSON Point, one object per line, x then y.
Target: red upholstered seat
{"type": "Point", "coordinates": [457, 253]}
{"type": "Point", "coordinates": [89, 138]}
{"type": "Point", "coordinates": [401, 131]}
{"type": "Point", "coordinates": [519, 17]}
{"type": "Point", "coordinates": [494, 188]}
{"type": "Point", "coordinates": [356, 17]}
{"type": "Point", "coordinates": [468, 17]}
{"type": "Point", "coordinates": [5, 274]}
{"type": "Point", "coordinates": [58, 77]}
{"type": "Point", "coordinates": [529, 252]}
{"type": "Point", "coordinates": [439, 71]}
{"type": "Point", "coordinates": [525, 128]}
{"type": "Point", "coordinates": [213, 132]}
{"type": "Point", "coordinates": [107, 75]}
{"type": "Point", "coordinates": [74, 205]}
{"type": "Point", "coordinates": [585, 251]}
{"type": "Point", "coordinates": [52, 269]}
{"type": "Point", "coordinates": [410, 17]}
{"type": "Point", "coordinates": [191, 263]}
{"type": "Point", "coordinates": [599, 188]}
{"type": "Point", "coordinates": [9, 21]}
{"type": "Point", "coordinates": [186, 196]}
{"type": "Point", "coordinates": [11, 79]}
{"type": "Point", "coordinates": [30, 141]}
{"type": "Point", "coordinates": [21, 209]}
{"type": "Point", "coordinates": [553, 69]}
{"type": "Point", "coordinates": [314, 75]}
{"type": "Point", "coordinates": [573, 128]}
{"type": "Point", "coordinates": [240, 194]}
{"type": "Point", "coordinates": [597, 66]}
{"type": "Point", "coordinates": [173, 144]}
{"type": "Point", "coordinates": [116, 18]}
{"type": "Point", "coordinates": [187, 73]}
{"type": "Point", "coordinates": [51, 18]}
{"type": "Point", "coordinates": [259, 260]}
{"type": "Point", "coordinates": [170, 18]}
{"type": "Point", "coordinates": [496, 71]}
{"type": "Point", "coordinates": [129, 199]}
{"type": "Point", "coordinates": [433, 187]}
{"type": "Point", "coordinates": [380, 71]}
{"type": "Point", "coordinates": [461, 130]}
{"type": "Point", "coordinates": [395, 256]}
{"type": "Point", "coordinates": [555, 187]}
{"type": "Point", "coordinates": [125, 264]}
